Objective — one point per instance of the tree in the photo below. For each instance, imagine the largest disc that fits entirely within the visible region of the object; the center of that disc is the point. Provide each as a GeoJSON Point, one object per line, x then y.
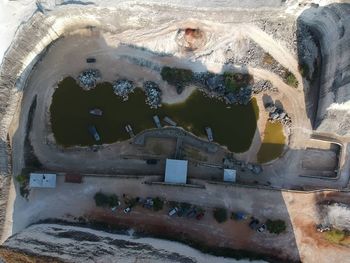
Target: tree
{"type": "Point", "coordinates": [157, 204]}
{"type": "Point", "coordinates": [220, 215]}
{"type": "Point", "coordinates": [113, 200]}
{"type": "Point", "coordinates": [276, 226]}
{"type": "Point", "coordinates": [101, 199]}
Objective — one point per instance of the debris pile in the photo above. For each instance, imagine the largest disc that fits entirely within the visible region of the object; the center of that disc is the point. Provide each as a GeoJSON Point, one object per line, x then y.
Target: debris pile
{"type": "Point", "coordinates": [123, 88]}
{"type": "Point", "coordinates": [231, 163]}
{"type": "Point", "coordinates": [153, 94]}
{"type": "Point", "coordinates": [242, 96]}
{"type": "Point", "coordinates": [277, 114]}
{"type": "Point", "coordinates": [263, 86]}
{"type": "Point", "coordinates": [88, 78]}
{"type": "Point", "coordinates": [214, 85]}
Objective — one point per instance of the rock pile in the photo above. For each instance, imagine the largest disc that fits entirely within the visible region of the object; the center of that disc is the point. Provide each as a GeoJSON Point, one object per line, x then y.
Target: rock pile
{"type": "Point", "coordinates": [153, 94]}
{"type": "Point", "coordinates": [88, 78]}
{"type": "Point", "coordinates": [232, 163]}
{"type": "Point", "coordinates": [243, 96]}
{"type": "Point", "coordinates": [278, 115]}
{"type": "Point", "coordinates": [263, 86]}
{"type": "Point", "coordinates": [214, 84]}
{"type": "Point", "coordinates": [123, 88]}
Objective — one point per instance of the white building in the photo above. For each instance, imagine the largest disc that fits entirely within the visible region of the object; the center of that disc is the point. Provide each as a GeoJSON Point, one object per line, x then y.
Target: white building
{"type": "Point", "coordinates": [229, 175]}
{"type": "Point", "coordinates": [176, 171]}
{"type": "Point", "coordinates": [40, 180]}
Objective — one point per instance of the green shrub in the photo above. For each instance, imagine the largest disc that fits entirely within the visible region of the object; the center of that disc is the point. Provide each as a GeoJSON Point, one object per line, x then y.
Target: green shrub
{"type": "Point", "coordinates": [276, 226]}
{"type": "Point", "coordinates": [22, 179]}
{"type": "Point", "coordinates": [103, 200]}
{"type": "Point", "coordinates": [335, 236]}
{"type": "Point", "coordinates": [268, 59]}
{"type": "Point", "coordinates": [113, 200]}
{"type": "Point", "coordinates": [235, 81]}
{"type": "Point", "coordinates": [304, 70]}
{"type": "Point", "coordinates": [220, 215]}
{"type": "Point", "coordinates": [157, 204]}
{"type": "Point", "coordinates": [291, 79]}
{"type": "Point", "coordinates": [176, 76]}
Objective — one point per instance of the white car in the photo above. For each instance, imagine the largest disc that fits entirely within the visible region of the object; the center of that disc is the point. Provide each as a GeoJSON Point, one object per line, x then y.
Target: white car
{"type": "Point", "coordinates": [173, 211]}
{"type": "Point", "coordinates": [127, 210]}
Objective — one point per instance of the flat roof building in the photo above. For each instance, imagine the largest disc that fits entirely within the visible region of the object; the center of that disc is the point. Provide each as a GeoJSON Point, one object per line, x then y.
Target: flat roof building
{"type": "Point", "coordinates": [41, 180]}
{"type": "Point", "coordinates": [229, 175]}
{"type": "Point", "coordinates": [176, 171]}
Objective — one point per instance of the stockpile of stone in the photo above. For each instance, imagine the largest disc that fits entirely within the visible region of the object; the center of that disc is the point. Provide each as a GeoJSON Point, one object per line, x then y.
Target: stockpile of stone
{"type": "Point", "coordinates": [88, 78]}
{"type": "Point", "coordinates": [153, 94]}
{"type": "Point", "coordinates": [214, 84]}
{"type": "Point", "coordinates": [243, 96]}
{"type": "Point", "coordinates": [278, 115]}
{"type": "Point", "coordinates": [123, 88]}
{"type": "Point", "coordinates": [232, 163]}
{"type": "Point", "coordinates": [263, 86]}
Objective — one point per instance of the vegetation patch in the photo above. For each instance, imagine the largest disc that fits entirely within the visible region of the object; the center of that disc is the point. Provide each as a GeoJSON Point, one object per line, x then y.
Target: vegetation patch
{"type": "Point", "coordinates": [157, 204]}
{"type": "Point", "coordinates": [291, 79]}
{"type": "Point", "coordinates": [304, 70]}
{"type": "Point", "coordinates": [235, 81]}
{"type": "Point", "coordinates": [23, 181]}
{"type": "Point", "coordinates": [337, 236]}
{"type": "Point", "coordinates": [268, 59]}
{"type": "Point", "coordinates": [105, 200]}
{"type": "Point", "coordinates": [220, 215]}
{"type": "Point", "coordinates": [276, 226]}
{"type": "Point", "coordinates": [176, 76]}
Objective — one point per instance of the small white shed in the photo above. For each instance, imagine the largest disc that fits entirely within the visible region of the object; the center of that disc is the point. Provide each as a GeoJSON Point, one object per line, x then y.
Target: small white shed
{"type": "Point", "coordinates": [42, 180]}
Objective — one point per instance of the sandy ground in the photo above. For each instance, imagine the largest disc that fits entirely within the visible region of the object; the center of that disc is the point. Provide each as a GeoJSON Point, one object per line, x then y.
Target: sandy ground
{"type": "Point", "coordinates": [301, 241]}
{"type": "Point", "coordinates": [67, 57]}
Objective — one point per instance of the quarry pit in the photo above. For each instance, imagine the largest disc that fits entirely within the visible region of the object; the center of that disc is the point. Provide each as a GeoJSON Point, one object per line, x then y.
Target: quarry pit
{"type": "Point", "coordinates": [297, 59]}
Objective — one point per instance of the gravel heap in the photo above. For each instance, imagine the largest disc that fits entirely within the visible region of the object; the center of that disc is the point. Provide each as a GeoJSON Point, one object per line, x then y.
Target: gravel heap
{"type": "Point", "coordinates": [214, 84]}
{"type": "Point", "coordinates": [88, 78]}
{"type": "Point", "coordinates": [278, 115]}
{"type": "Point", "coordinates": [123, 88]}
{"type": "Point", "coordinates": [263, 86]}
{"type": "Point", "coordinates": [153, 94]}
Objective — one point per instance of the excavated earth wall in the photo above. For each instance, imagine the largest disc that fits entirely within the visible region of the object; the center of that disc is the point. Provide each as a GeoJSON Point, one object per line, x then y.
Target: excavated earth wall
{"type": "Point", "coordinates": [329, 26]}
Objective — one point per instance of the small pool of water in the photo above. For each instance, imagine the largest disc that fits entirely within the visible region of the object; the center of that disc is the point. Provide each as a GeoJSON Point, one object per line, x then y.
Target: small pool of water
{"type": "Point", "coordinates": [233, 126]}
{"type": "Point", "coordinates": [273, 142]}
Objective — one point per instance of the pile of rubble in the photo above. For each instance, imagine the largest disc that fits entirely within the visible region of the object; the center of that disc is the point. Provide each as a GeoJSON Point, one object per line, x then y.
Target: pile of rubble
{"type": "Point", "coordinates": [263, 86]}
{"type": "Point", "coordinates": [123, 88]}
{"type": "Point", "coordinates": [243, 96]}
{"type": "Point", "coordinates": [153, 94]}
{"type": "Point", "coordinates": [232, 163]}
{"type": "Point", "coordinates": [215, 84]}
{"type": "Point", "coordinates": [89, 78]}
{"type": "Point", "coordinates": [278, 115]}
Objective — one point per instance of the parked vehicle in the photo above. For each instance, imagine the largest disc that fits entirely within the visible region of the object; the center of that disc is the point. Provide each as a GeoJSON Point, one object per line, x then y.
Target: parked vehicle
{"type": "Point", "coordinates": [192, 213]}
{"type": "Point", "coordinates": [173, 211]}
{"type": "Point", "coordinates": [321, 228]}
{"type": "Point", "coordinates": [200, 215]}
{"type": "Point", "coordinates": [254, 223]}
{"type": "Point", "coordinates": [152, 161]}
{"type": "Point", "coordinates": [261, 228]}
{"type": "Point", "coordinates": [90, 60]}
{"type": "Point", "coordinates": [148, 203]}
{"type": "Point", "coordinates": [127, 210]}
{"type": "Point", "coordinates": [239, 216]}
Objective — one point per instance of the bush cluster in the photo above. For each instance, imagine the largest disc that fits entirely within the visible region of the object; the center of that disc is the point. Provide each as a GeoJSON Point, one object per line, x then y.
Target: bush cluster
{"type": "Point", "coordinates": [104, 200]}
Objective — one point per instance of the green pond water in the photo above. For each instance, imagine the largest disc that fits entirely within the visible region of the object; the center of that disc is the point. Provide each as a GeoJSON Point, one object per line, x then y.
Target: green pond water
{"type": "Point", "coordinates": [232, 126]}
{"type": "Point", "coordinates": [273, 143]}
